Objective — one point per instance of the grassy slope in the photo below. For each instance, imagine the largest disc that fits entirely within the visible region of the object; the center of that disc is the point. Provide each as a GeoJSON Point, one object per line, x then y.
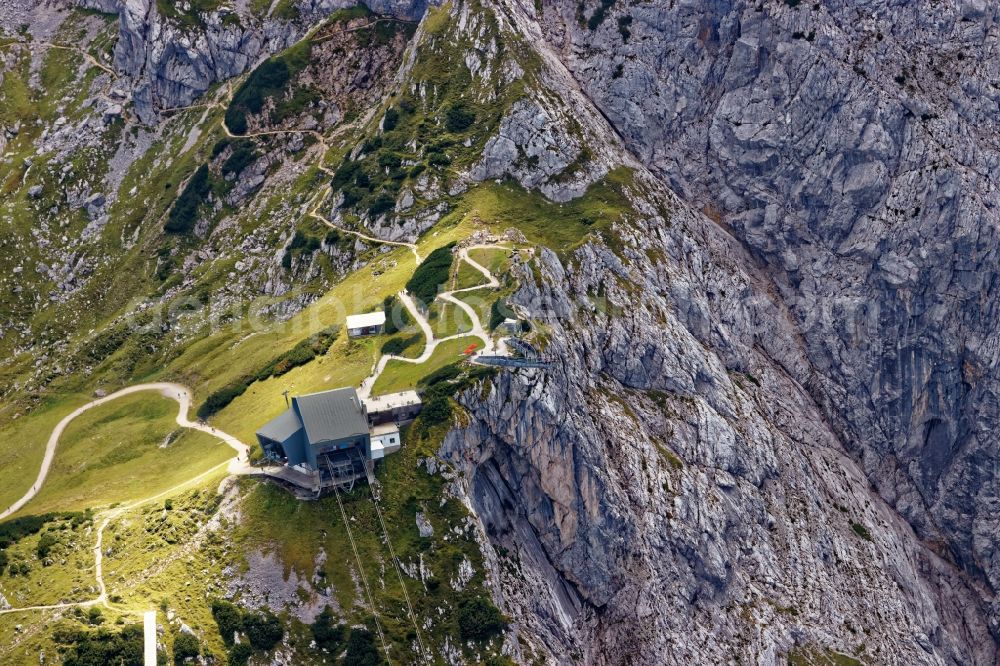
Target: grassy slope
{"type": "Point", "coordinates": [22, 445]}
{"type": "Point", "coordinates": [216, 359]}
{"type": "Point", "coordinates": [481, 301]}
{"type": "Point", "coordinates": [465, 276]}
{"type": "Point", "coordinates": [67, 574]}
{"type": "Point", "coordinates": [148, 569]}
{"type": "Point", "coordinates": [110, 452]}
{"type": "Point", "coordinates": [410, 332]}
{"type": "Point", "coordinates": [33, 110]}
{"type": "Point", "coordinates": [447, 319]}
{"type": "Point", "coordinates": [562, 227]}
{"type": "Point", "coordinates": [495, 261]}
{"type": "Point", "coordinates": [113, 284]}
{"type": "Point", "coordinates": [298, 530]}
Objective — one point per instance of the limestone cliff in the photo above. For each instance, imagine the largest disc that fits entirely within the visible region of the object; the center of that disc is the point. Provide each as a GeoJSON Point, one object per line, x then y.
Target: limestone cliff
{"type": "Point", "coordinates": [853, 149]}
{"type": "Point", "coordinates": [837, 352]}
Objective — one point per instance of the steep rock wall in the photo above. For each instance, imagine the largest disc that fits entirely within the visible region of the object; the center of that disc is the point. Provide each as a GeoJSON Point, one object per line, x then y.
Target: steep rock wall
{"type": "Point", "coordinates": [678, 485]}
{"type": "Point", "coordinates": [853, 147]}
{"type": "Point", "coordinates": [668, 489]}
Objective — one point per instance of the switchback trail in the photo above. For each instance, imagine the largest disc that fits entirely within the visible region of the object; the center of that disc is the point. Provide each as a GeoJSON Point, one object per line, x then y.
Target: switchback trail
{"type": "Point", "coordinates": [478, 331]}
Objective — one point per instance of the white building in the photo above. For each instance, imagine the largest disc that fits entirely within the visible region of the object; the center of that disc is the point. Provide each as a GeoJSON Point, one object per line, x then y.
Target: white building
{"type": "Point", "coordinates": [385, 440]}
{"type": "Point", "coordinates": [509, 325]}
{"type": "Point", "coordinates": [365, 324]}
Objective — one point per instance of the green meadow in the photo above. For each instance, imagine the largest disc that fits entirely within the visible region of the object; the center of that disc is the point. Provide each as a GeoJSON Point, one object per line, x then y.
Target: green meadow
{"type": "Point", "coordinates": [400, 376]}
{"type": "Point", "coordinates": [124, 450]}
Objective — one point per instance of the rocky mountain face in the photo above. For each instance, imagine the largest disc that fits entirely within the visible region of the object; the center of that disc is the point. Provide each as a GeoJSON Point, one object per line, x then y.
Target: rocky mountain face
{"type": "Point", "coordinates": [173, 59]}
{"type": "Point", "coordinates": [853, 149]}
{"type": "Point", "coordinates": [668, 503]}
{"type": "Point", "coordinates": [678, 484]}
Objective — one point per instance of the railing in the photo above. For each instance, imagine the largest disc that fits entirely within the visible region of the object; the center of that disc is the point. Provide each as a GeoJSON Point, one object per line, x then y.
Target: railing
{"type": "Point", "coordinates": [522, 347]}
{"type": "Point", "coordinates": [511, 362]}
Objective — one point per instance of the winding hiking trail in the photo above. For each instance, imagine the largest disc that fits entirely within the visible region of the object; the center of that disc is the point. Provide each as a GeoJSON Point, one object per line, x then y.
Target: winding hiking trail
{"type": "Point", "coordinates": [68, 47]}
{"type": "Point", "coordinates": [491, 283]}
{"type": "Point", "coordinates": [431, 344]}
{"type": "Point", "coordinates": [182, 395]}
{"type": "Point", "coordinates": [235, 466]}
{"type": "Point", "coordinates": [87, 56]}
{"type": "Point", "coordinates": [371, 239]}
{"type": "Point", "coordinates": [239, 465]}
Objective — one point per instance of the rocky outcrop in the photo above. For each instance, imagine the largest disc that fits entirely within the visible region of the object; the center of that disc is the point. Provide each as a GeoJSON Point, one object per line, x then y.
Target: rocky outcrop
{"type": "Point", "coordinates": [539, 151]}
{"type": "Point", "coordinates": [106, 6]}
{"type": "Point", "coordinates": [172, 61]}
{"type": "Point", "coordinates": [854, 150]}
{"type": "Point", "coordinates": [651, 493]}
{"type": "Point", "coordinates": [172, 64]}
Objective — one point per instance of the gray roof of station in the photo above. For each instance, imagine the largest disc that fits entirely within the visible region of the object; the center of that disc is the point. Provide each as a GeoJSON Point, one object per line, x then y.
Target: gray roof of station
{"type": "Point", "coordinates": [281, 427]}
{"type": "Point", "coordinates": [331, 415]}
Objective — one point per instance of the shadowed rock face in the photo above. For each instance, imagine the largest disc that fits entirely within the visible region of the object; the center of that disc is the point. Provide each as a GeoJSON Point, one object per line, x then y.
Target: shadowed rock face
{"type": "Point", "coordinates": [853, 148]}
{"type": "Point", "coordinates": [172, 63]}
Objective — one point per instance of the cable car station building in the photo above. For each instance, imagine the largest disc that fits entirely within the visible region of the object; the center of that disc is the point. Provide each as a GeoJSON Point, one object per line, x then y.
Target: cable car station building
{"type": "Point", "coordinates": [330, 439]}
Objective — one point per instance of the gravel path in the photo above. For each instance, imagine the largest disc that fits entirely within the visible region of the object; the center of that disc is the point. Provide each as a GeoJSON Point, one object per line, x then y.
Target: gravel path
{"type": "Point", "coordinates": [178, 392]}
